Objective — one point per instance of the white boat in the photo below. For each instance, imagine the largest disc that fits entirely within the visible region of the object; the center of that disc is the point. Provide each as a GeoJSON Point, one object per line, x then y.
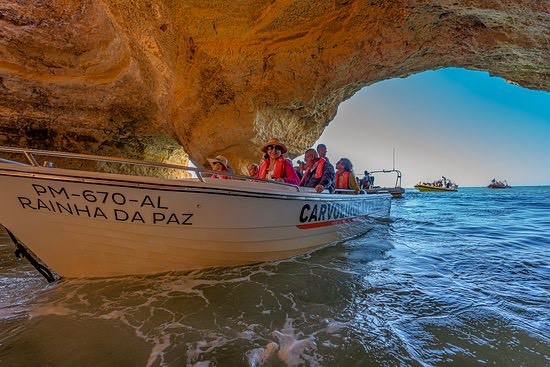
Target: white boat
{"type": "Point", "coordinates": [83, 223]}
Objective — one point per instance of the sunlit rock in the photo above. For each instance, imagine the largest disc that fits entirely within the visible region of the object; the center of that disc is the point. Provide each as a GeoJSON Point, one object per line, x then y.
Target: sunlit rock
{"type": "Point", "coordinates": [158, 79]}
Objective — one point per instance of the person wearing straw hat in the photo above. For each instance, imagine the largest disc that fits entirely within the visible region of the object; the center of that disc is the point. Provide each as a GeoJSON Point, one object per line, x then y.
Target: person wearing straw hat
{"type": "Point", "coordinates": [219, 164]}
{"type": "Point", "coordinates": [275, 166]}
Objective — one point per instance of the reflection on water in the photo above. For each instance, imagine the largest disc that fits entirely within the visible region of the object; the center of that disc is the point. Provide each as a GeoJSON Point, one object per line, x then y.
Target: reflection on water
{"type": "Point", "coordinates": [450, 281]}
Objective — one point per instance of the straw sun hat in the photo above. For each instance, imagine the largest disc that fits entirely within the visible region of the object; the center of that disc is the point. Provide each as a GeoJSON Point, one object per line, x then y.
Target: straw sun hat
{"type": "Point", "coordinates": [274, 142]}
{"type": "Point", "coordinates": [219, 159]}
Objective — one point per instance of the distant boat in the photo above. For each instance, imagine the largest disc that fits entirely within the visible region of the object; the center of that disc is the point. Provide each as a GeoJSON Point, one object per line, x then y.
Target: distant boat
{"type": "Point", "coordinates": [437, 186]}
{"type": "Point", "coordinates": [498, 184]}
{"type": "Point", "coordinates": [397, 191]}
{"type": "Point", "coordinates": [430, 187]}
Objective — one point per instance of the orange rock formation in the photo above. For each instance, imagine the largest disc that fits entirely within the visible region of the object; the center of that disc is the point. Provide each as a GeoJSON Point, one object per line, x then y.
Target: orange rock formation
{"type": "Point", "coordinates": [157, 79]}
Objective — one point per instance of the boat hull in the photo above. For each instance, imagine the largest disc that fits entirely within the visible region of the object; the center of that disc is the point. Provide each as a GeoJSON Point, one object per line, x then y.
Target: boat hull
{"type": "Point", "coordinates": [425, 188]}
{"type": "Point", "coordinates": [396, 192]}
{"type": "Point", "coordinates": [103, 225]}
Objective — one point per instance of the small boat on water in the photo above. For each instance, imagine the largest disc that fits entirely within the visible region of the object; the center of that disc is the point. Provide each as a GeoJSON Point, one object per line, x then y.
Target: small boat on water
{"type": "Point", "coordinates": [429, 187]}
{"type": "Point", "coordinates": [396, 191]}
{"type": "Point", "coordinates": [437, 186]}
{"type": "Point", "coordinates": [85, 223]}
{"type": "Point", "coordinates": [498, 184]}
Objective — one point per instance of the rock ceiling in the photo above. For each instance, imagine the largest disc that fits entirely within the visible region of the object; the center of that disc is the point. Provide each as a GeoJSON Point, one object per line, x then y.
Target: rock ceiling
{"type": "Point", "coordinates": [159, 79]}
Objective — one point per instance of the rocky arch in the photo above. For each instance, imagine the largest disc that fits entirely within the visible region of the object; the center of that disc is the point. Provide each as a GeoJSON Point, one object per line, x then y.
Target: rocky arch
{"type": "Point", "coordinates": [158, 79]}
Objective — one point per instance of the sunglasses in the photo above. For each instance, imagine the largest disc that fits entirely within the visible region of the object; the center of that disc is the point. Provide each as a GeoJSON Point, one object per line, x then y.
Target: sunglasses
{"type": "Point", "coordinates": [276, 147]}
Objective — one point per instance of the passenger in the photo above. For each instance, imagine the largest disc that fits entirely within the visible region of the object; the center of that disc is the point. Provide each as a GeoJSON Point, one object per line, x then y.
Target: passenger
{"type": "Point", "coordinates": [219, 164]}
{"type": "Point", "coordinates": [368, 181]}
{"type": "Point", "coordinates": [322, 151]}
{"type": "Point", "coordinates": [253, 170]}
{"type": "Point", "coordinates": [345, 178]}
{"type": "Point", "coordinates": [276, 167]}
{"type": "Point", "coordinates": [299, 168]}
{"type": "Point", "coordinates": [319, 173]}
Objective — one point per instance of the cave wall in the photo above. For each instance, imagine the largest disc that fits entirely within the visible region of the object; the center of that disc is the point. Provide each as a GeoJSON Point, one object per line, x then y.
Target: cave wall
{"type": "Point", "coordinates": [158, 80]}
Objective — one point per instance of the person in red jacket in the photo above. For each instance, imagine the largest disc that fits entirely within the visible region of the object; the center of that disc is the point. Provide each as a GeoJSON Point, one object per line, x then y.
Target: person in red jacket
{"type": "Point", "coordinates": [275, 166]}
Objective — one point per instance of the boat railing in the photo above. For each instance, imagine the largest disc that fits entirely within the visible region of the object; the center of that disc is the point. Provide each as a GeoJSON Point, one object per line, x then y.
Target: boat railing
{"type": "Point", "coordinates": [396, 171]}
{"type": "Point", "coordinates": [29, 157]}
{"type": "Point", "coordinates": [2, 160]}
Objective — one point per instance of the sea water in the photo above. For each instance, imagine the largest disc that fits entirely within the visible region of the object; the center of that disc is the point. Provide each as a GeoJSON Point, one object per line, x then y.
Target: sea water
{"type": "Point", "coordinates": [453, 279]}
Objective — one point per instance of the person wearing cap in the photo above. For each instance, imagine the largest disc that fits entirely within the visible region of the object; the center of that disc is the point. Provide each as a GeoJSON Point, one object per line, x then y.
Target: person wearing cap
{"type": "Point", "coordinates": [319, 172]}
{"type": "Point", "coordinates": [275, 166]}
{"type": "Point", "coordinates": [219, 164]}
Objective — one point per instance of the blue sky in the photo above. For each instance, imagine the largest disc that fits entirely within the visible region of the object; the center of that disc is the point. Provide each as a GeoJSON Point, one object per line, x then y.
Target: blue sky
{"type": "Point", "coordinates": [465, 125]}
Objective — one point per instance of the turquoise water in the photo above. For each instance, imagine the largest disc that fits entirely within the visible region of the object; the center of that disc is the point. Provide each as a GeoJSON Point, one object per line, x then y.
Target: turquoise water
{"type": "Point", "coordinates": [454, 279]}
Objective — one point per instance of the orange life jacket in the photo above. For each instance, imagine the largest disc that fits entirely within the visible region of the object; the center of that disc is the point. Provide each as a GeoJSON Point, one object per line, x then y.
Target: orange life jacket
{"type": "Point", "coordinates": [318, 170]}
{"type": "Point", "coordinates": [342, 180]}
{"type": "Point", "coordinates": [278, 170]}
